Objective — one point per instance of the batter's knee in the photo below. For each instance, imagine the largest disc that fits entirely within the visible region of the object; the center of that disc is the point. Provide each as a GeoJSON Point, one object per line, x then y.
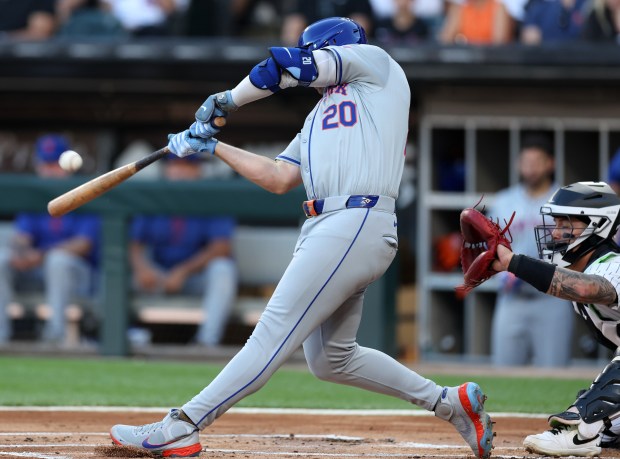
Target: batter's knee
{"type": "Point", "coordinates": [328, 363]}
{"type": "Point", "coordinates": [319, 367]}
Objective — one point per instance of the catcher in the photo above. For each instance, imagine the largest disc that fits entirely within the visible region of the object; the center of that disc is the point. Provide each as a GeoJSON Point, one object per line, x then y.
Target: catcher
{"type": "Point", "coordinates": [579, 262]}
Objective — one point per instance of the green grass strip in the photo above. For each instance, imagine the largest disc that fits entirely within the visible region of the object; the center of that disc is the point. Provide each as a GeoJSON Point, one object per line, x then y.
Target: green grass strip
{"type": "Point", "coordinates": [130, 382]}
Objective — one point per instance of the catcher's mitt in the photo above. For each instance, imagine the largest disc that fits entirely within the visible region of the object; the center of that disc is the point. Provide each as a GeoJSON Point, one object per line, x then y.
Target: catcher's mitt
{"type": "Point", "coordinates": [481, 236]}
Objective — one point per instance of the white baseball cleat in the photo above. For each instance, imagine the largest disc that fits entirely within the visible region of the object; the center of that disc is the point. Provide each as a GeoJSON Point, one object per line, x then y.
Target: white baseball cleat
{"type": "Point", "coordinates": [171, 437]}
{"type": "Point", "coordinates": [463, 406]}
{"type": "Point", "coordinates": [562, 441]}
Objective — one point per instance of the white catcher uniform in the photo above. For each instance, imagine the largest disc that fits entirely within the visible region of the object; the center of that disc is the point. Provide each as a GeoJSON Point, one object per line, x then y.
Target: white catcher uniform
{"type": "Point", "coordinates": [351, 144]}
{"type": "Point", "coordinates": [603, 320]}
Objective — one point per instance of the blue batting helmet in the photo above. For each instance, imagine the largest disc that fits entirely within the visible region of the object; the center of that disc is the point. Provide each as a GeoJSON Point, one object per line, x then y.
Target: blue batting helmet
{"type": "Point", "coordinates": [332, 32]}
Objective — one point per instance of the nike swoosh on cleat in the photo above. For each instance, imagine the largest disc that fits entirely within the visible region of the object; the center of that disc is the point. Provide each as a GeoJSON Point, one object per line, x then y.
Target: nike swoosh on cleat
{"type": "Point", "coordinates": [576, 440]}
{"type": "Point", "coordinates": [146, 444]}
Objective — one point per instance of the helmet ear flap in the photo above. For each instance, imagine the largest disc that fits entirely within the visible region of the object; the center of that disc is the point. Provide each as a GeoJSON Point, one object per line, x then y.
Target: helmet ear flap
{"type": "Point", "coordinates": [363, 38]}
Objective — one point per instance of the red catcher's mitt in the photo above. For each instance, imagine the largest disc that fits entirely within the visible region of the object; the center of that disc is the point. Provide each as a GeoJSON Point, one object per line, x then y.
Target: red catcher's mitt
{"type": "Point", "coordinates": [481, 236]}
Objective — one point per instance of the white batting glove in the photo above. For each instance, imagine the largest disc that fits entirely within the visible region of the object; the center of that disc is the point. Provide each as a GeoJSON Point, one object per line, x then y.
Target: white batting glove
{"type": "Point", "coordinates": [203, 130]}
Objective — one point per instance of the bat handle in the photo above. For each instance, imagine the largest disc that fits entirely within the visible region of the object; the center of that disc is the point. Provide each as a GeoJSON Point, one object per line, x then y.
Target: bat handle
{"type": "Point", "coordinates": [219, 121]}
{"type": "Point", "coordinates": [150, 159]}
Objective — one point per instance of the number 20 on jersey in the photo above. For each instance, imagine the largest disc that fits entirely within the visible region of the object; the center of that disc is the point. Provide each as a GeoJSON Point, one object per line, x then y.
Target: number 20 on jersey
{"type": "Point", "coordinates": [342, 114]}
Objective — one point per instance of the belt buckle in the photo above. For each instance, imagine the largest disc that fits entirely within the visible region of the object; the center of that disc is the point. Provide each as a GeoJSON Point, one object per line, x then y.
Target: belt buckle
{"type": "Point", "coordinates": [362, 201]}
{"type": "Point", "coordinates": [309, 210]}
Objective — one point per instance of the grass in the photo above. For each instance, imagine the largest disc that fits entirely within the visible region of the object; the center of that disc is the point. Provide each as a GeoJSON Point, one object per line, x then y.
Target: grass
{"type": "Point", "coordinates": [120, 382]}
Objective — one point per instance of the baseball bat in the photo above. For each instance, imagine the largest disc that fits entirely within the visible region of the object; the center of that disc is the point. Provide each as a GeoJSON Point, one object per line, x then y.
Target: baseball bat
{"type": "Point", "coordinates": [94, 188]}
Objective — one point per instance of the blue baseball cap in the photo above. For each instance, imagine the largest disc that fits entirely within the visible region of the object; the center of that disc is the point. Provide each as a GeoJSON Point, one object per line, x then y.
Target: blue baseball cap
{"type": "Point", "coordinates": [50, 147]}
{"type": "Point", "coordinates": [613, 174]}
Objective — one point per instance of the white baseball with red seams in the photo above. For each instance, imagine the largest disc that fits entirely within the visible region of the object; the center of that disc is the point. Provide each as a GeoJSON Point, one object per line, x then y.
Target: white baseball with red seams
{"type": "Point", "coordinates": [70, 161]}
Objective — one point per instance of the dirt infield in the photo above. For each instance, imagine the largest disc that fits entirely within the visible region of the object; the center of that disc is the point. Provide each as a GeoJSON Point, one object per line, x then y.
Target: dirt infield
{"type": "Point", "coordinates": [83, 434]}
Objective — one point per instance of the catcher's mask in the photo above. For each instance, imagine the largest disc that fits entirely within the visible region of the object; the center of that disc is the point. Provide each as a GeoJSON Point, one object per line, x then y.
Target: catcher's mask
{"type": "Point", "coordinates": [332, 32]}
{"type": "Point", "coordinates": [589, 206]}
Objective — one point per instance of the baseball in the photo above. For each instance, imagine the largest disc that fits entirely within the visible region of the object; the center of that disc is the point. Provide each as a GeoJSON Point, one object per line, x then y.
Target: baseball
{"type": "Point", "coordinates": [70, 161]}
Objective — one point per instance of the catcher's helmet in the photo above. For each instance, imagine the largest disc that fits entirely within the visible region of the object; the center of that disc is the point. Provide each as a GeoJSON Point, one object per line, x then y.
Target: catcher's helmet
{"type": "Point", "coordinates": [593, 203]}
{"type": "Point", "coordinates": [332, 32]}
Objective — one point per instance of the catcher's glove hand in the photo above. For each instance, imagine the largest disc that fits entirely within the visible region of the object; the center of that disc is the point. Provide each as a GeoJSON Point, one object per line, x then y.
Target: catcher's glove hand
{"type": "Point", "coordinates": [481, 236]}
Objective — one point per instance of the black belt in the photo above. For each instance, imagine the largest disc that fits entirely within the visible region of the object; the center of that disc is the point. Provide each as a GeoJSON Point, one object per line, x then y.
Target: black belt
{"type": "Point", "coordinates": [314, 207]}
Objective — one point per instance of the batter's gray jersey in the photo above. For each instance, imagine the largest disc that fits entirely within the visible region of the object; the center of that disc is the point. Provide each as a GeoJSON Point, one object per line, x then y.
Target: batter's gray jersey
{"type": "Point", "coordinates": [353, 141]}
{"type": "Point", "coordinates": [605, 318]}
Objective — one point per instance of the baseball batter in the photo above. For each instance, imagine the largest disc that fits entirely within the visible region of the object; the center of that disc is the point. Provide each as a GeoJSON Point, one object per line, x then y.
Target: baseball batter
{"type": "Point", "coordinates": [349, 156]}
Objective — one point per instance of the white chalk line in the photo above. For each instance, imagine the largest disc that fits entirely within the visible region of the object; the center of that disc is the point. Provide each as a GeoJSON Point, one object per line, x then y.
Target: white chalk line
{"type": "Point", "coordinates": [305, 454]}
{"type": "Point", "coordinates": [35, 455]}
{"type": "Point", "coordinates": [52, 445]}
{"type": "Point", "coordinates": [49, 434]}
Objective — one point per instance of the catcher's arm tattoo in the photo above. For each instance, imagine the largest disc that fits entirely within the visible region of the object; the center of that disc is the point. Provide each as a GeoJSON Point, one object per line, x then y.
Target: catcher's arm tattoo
{"type": "Point", "coordinates": [582, 288]}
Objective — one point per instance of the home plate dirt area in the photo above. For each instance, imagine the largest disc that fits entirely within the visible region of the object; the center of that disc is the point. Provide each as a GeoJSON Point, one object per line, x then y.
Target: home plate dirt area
{"type": "Point", "coordinates": [66, 434]}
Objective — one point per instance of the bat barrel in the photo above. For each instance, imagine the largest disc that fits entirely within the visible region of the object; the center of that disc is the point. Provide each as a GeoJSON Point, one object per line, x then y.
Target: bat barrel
{"type": "Point", "coordinates": [94, 188]}
{"type": "Point", "coordinates": [88, 191]}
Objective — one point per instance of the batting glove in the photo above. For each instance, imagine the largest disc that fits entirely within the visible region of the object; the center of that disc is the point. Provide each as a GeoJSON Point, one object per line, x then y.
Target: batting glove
{"type": "Point", "coordinates": [203, 130]}
{"type": "Point", "coordinates": [184, 144]}
{"type": "Point", "coordinates": [216, 105]}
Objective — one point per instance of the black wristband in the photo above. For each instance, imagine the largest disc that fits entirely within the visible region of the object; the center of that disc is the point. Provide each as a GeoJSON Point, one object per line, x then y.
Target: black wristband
{"type": "Point", "coordinates": [537, 273]}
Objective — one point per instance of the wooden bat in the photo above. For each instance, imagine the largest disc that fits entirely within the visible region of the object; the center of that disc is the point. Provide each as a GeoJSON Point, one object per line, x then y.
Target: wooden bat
{"type": "Point", "coordinates": [94, 188]}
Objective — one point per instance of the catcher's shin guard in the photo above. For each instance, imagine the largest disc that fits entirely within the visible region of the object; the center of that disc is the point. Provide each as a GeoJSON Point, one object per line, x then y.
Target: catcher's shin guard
{"type": "Point", "coordinates": [594, 408]}
{"type": "Point", "coordinates": [602, 400]}
{"type": "Point", "coordinates": [570, 417]}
